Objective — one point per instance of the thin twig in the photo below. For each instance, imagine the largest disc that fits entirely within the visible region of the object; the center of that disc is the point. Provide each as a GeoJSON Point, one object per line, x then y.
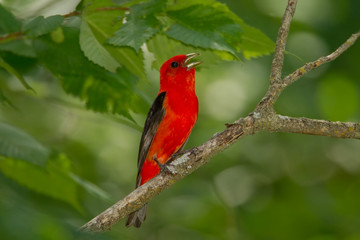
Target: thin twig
{"type": "Point", "coordinates": [267, 103]}
{"type": "Point", "coordinates": [11, 35]}
{"type": "Point", "coordinates": [277, 63]}
{"type": "Point", "coordinates": [276, 89]}
{"type": "Point", "coordinates": [289, 79]}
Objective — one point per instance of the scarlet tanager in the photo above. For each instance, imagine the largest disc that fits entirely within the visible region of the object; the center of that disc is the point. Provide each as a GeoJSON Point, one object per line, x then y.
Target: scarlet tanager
{"type": "Point", "coordinates": [168, 124]}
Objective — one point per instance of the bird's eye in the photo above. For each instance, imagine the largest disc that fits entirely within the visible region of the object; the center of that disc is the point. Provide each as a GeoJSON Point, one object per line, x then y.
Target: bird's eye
{"type": "Point", "coordinates": [174, 64]}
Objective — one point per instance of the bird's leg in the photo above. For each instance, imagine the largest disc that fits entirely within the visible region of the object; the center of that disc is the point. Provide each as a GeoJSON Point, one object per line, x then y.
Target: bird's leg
{"type": "Point", "coordinates": [175, 155]}
{"type": "Point", "coordinates": [181, 153]}
{"type": "Point", "coordinates": [163, 167]}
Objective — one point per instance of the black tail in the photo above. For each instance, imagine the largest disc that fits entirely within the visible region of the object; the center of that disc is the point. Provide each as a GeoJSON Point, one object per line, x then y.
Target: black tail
{"type": "Point", "coordinates": [137, 218]}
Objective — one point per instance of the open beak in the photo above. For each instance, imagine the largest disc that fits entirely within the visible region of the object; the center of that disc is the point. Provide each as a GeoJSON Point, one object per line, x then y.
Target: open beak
{"type": "Point", "coordinates": [192, 64]}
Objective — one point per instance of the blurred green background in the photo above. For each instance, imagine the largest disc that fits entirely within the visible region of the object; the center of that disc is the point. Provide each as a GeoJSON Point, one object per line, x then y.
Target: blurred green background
{"type": "Point", "coordinates": [266, 186]}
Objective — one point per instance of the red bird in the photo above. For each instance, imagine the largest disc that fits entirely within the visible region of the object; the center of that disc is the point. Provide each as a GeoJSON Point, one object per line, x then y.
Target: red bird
{"type": "Point", "coordinates": [169, 122]}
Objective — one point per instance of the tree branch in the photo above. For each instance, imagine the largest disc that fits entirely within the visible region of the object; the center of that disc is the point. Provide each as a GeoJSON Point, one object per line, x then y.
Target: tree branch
{"type": "Point", "coordinates": [277, 63]}
{"type": "Point", "coordinates": [263, 118]}
{"type": "Point", "coordinates": [276, 88]}
{"type": "Point", "coordinates": [315, 64]}
{"type": "Point", "coordinates": [181, 167]}
{"type": "Point", "coordinates": [309, 126]}
{"type": "Point", "coordinates": [198, 156]}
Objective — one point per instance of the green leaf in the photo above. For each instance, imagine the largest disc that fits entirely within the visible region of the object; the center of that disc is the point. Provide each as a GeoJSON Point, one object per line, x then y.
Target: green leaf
{"type": "Point", "coordinates": [8, 23]}
{"type": "Point", "coordinates": [205, 39]}
{"type": "Point", "coordinates": [148, 8]}
{"type": "Point", "coordinates": [252, 43]}
{"type": "Point", "coordinates": [61, 163]}
{"type": "Point", "coordinates": [21, 47]}
{"type": "Point", "coordinates": [102, 91]}
{"type": "Point", "coordinates": [134, 33]}
{"type": "Point", "coordinates": [50, 182]}
{"type": "Point", "coordinates": [255, 43]}
{"type": "Point", "coordinates": [205, 26]}
{"type": "Point", "coordinates": [178, 5]}
{"type": "Point", "coordinates": [93, 50]}
{"type": "Point", "coordinates": [103, 25]}
{"type": "Point", "coordinates": [32, 165]}
{"type": "Point", "coordinates": [163, 48]}
{"type": "Point", "coordinates": [5, 101]}
{"type": "Point", "coordinates": [12, 71]}
{"type": "Point", "coordinates": [91, 188]}
{"type": "Point", "coordinates": [15, 143]}
{"type": "Point", "coordinates": [40, 25]}
{"type": "Point", "coordinates": [141, 24]}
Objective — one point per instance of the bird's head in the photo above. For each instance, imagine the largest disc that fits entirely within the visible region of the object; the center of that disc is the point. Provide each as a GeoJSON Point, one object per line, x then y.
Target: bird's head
{"type": "Point", "coordinates": [178, 71]}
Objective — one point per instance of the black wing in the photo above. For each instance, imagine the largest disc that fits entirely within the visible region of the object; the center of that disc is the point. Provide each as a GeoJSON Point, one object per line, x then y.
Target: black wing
{"type": "Point", "coordinates": [153, 119]}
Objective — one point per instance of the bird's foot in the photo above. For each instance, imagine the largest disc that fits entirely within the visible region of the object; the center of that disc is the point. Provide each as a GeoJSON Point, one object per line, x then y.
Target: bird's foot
{"type": "Point", "coordinates": [164, 168]}
{"type": "Point", "coordinates": [175, 155]}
